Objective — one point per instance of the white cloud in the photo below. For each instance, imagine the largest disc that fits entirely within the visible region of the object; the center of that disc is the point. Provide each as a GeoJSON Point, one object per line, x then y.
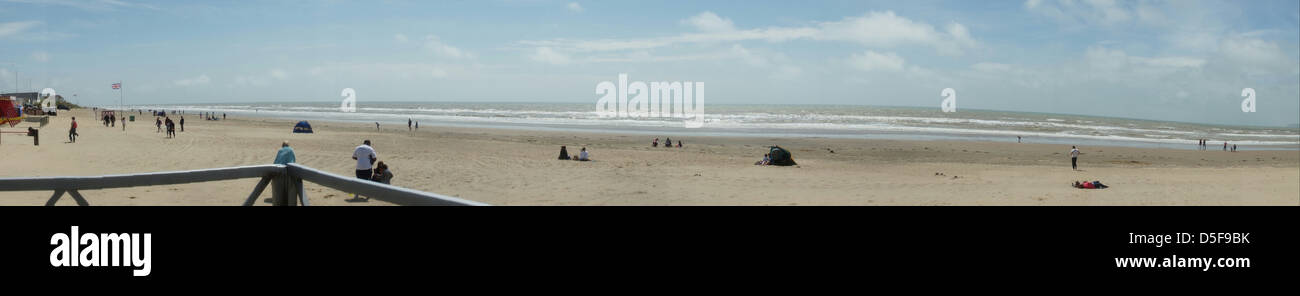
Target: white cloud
{"type": "Point", "coordinates": [1175, 62]}
{"type": "Point", "coordinates": [41, 56]}
{"type": "Point", "coordinates": [991, 67]}
{"type": "Point", "coordinates": [13, 28]}
{"type": "Point", "coordinates": [1089, 12]}
{"type": "Point", "coordinates": [252, 80]}
{"type": "Point", "coordinates": [1254, 53]}
{"type": "Point", "coordinates": [550, 56]}
{"type": "Point", "coordinates": [749, 57]}
{"type": "Point", "coordinates": [435, 45]}
{"type": "Point", "coordinates": [873, 61]}
{"type": "Point", "coordinates": [401, 38]}
{"type": "Point", "coordinates": [200, 80]}
{"type": "Point", "coordinates": [1114, 59]}
{"type": "Point", "coordinates": [647, 57]}
{"type": "Point", "coordinates": [263, 79]}
{"type": "Point", "coordinates": [709, 22]}
{"type": "Point", "coordinates": [787, 72]}
{"type": "Point", "coordinates": [874, 29]}
{"type": "Point", "coordinates": [279, 74]}
{"type": "Point", "coordinates": [574, 7]}
{"type": "Point", "coordinates": [886, 29]}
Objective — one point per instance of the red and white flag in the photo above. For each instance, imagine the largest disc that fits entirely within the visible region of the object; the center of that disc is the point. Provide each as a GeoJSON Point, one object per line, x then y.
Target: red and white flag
{"type": "Point", "coordinates": [117, 86]}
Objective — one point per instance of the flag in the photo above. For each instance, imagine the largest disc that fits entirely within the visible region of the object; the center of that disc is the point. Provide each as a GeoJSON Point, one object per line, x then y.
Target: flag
{"type": "Point", "coordinates": [117, 86]}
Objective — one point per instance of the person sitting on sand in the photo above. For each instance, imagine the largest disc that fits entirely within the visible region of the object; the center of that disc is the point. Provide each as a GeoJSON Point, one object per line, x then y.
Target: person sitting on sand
{"type": "Point", "coordinates": [285, 155]}
{"type": "Point", "coordinates": [655, 143]}
{"type": "Point", "coordinates": [382, 174]}
{"type": "Point", "coordinates": [668, 143]}
{"type": "Point", "coordinates": [1089, 185]}
{"type": "Point", "coordinates": [679, 143]}
{"type": "Point", "coordinates": [767, 159]}
{"type": "Point", "coordinates": [582, 155]}
{"type": "Point", "coordinates": [564, 153]}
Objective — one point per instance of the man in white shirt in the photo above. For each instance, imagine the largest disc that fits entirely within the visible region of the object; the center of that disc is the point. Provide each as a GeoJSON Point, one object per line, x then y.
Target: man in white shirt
{"type": "Point", "coordinates": [1074, 157]}
{"type": "Point", "coordinates": [365, 156]}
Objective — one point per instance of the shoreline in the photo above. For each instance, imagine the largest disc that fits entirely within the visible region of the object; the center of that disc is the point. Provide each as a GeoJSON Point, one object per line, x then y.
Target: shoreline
{"type": "Point", "coordinates": [929, 133]}
{"type": "Point", "coordinates": [512, 167]}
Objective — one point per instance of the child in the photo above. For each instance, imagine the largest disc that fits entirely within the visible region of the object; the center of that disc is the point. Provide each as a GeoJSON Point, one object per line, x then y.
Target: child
{"type": "Point", "coordinates": [382, 174]}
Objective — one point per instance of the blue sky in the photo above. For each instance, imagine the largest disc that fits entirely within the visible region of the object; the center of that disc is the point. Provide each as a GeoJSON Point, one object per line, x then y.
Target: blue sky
{"type": "Point", "coordinates": [1170, 60]}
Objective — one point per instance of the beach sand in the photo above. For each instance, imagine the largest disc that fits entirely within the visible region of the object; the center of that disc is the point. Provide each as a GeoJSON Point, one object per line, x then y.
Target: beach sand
{"type": "Point", "coordinates": [513, 167]}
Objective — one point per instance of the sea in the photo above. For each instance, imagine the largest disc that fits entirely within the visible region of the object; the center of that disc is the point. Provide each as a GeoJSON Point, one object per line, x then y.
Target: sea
{"type": "Point", "coordinates": [783, 121]}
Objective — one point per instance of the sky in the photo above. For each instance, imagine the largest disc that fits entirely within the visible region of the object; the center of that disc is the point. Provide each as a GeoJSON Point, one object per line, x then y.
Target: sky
{"type": "Point", "coordinates": [1184, 60]}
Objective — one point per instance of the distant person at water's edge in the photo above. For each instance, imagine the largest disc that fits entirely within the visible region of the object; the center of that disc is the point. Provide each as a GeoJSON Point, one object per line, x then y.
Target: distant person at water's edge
{"type": "Point", "coordinates": [1074, 157]}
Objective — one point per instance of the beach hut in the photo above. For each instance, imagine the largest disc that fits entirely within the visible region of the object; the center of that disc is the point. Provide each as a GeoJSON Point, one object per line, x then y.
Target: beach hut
{"type": "Point", "coordinates": [781, 157]}
{"type": "Point", "coordinates": [302, 127]}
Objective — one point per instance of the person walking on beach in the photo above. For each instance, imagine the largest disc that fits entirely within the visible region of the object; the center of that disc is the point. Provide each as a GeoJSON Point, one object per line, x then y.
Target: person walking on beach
{"type": "Point", "coordinates": [182, 123]}
{"type": "Point", "coordinates": [72, 133]}
{"type": "Point", "coordinates": [123, 123]}
{"type": "Point", "coordinates": [158, 123]}
{"type": "Point", "coordinates": [1225, 146]}
{"type": "Point", "coordinates": [376, 125]}
{"type": "Point", "coordinates": [1074, 157]}
{"type": "Point", "coordinates": [417, 125]}
{"type": "Point", "coordinates": [408, 124]}
{"type": "Point", "coordinates": [171, 128]}
{"type": "Point", "coordinates": [285, 155]}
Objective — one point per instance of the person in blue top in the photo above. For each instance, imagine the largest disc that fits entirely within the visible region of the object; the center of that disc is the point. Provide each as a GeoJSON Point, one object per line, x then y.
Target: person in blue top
{"type": "Point", "coordinates": [285, 155]}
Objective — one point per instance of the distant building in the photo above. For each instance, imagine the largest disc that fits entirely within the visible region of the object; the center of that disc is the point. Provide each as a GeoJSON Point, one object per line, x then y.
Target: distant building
{"type": "Point", "coordinates": [27, 98]}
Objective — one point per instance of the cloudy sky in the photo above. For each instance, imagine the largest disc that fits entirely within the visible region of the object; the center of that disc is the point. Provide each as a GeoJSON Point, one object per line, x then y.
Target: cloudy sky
{"type": "Point", "coordinates": [1182, 60]}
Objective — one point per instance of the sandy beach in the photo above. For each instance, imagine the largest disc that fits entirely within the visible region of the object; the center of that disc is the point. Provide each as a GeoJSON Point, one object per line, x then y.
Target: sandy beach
{"type": "Point", "coordinates": [515, 167]}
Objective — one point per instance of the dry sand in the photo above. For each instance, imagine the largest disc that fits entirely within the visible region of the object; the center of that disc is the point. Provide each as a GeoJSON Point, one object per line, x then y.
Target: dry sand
{"type": "Point", "coordinates": [512, 167]}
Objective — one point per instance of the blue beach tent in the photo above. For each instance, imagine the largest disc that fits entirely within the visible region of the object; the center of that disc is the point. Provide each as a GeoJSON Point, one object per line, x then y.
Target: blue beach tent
{"type": "Point", "coordinates": [302, 127]}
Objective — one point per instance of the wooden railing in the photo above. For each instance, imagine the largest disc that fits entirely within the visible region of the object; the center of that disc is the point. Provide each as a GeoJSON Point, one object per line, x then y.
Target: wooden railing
{"type": "Point", "coordinates": [285, 181]}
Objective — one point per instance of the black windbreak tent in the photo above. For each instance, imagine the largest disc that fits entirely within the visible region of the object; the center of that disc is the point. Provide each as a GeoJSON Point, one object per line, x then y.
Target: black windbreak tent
{"type": "Point", "coordinates": [780, 156]}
